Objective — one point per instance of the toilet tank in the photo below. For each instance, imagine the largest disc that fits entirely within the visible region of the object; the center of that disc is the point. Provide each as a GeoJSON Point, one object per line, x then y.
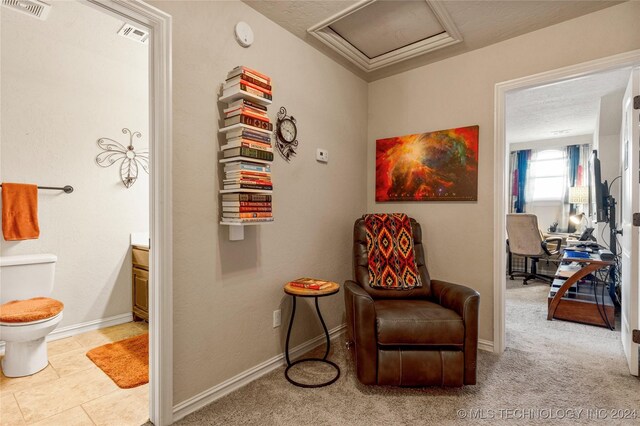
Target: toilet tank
{"type": "Point", "coordinates": [26, 276]}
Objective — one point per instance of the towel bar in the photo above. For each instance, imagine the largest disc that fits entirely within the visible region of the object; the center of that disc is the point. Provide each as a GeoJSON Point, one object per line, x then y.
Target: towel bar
{"type": "Point", "coordinates": [68, 189]}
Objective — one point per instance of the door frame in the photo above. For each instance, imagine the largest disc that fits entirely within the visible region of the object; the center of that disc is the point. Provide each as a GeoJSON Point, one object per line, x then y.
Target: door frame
{"type": "Point", "coordinates": [160, 199]}
{"type": "Point", "coordinates": [500, 173]}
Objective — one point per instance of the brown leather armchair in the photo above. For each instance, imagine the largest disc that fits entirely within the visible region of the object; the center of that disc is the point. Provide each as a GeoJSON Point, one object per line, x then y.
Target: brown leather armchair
{"type": "Point", "coordinates": [420, 337]}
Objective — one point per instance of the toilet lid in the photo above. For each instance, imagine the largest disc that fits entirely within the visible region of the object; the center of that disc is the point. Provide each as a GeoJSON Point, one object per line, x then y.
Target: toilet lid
{"type": "Point", "coordinates": [30, 310]}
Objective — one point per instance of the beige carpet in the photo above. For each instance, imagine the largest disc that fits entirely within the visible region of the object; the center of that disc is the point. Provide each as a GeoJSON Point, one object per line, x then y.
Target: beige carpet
{"type": "Point", "coordinates": [547, 369]}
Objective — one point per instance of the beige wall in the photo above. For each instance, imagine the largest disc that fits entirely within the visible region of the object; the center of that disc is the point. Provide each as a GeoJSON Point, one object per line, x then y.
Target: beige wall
{"type": "Point", "coordinates": [460, 92]}
{"type": "Point", "coordinates": [225, 292]}
{"type": "Point", "coordinates": [66, 82]}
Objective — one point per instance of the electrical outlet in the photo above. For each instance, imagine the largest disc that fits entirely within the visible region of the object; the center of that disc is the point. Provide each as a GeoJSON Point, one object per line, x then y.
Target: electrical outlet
{"type": "Point", "coordinates": [277, 317]}
{"type": "Point", "coordinates": [322, 155]}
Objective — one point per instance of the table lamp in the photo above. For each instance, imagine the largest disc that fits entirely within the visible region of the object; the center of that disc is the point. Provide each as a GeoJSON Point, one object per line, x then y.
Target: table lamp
{"type": "Point", "coordinates": [576, 218]}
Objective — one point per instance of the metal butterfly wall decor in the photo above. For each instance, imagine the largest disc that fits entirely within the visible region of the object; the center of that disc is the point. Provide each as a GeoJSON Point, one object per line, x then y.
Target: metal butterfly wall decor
{"type": "Point", "coordinates": [132, 160]}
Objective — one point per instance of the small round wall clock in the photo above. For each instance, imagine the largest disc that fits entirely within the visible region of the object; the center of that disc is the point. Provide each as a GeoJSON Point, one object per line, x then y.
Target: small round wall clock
{"type": "Point", "coordinates": [286, 133]}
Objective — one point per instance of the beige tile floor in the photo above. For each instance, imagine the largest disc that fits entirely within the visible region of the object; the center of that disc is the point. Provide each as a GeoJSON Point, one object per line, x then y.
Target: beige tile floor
{"type": "Point", "coordinates": [72, 390]}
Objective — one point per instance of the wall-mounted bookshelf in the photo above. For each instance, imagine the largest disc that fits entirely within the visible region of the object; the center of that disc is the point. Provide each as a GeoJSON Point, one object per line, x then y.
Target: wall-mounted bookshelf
{"type": "Point", "coordinates": [246, 95]}
{"type": "Point", "coordinates": [253, 160]}
{"type": "Point", "coordinates": [249, 191]}
{"type": "Point", "coordinates": [242, 126]}
{"type": "Point", "coordinates": [247, 153]}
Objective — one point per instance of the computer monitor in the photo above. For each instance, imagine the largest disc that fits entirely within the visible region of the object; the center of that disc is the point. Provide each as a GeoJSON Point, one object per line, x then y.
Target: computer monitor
{"type": "Point", "coordinates": [599, 191]}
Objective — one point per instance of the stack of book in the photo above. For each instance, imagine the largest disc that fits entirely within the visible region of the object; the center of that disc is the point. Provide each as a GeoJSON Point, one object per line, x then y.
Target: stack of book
{"type": "Point", "coordinates": [247, 175]}
{"type": "Point", "coordinates": [247, 142]}
{"type": "Point", "coordinates": [312, 284]}
{"type": "Point", "coordinates": [247, 150]}
{"type": "Point", "coordinates": [251, 82]}
{"type": "Point", "coordinates": [246, 208]}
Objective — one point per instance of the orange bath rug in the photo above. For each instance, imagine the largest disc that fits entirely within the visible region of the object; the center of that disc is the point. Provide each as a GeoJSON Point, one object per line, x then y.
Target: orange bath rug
{"type": "Point", "coordinates": [125, 361]}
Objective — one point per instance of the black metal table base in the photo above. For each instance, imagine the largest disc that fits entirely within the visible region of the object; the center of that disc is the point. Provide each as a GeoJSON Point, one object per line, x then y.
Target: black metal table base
{"type": "Point", "coordinates": [323, 359]}
{"type": "Point", "coordinates": [318, 385]}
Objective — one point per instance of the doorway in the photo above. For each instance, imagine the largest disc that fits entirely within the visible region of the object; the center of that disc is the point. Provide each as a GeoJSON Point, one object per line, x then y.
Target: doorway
{"type": "Point", "coordinates": [161, 201]}
{"type": "Point", "coordinates": [158, 24]}
{"type": "Point", "coordinates": [501, 166]}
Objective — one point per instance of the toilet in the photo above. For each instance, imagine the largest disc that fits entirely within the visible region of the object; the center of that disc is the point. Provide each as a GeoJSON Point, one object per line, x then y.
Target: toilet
{"type": "Point", "coordinates": [27, 314]}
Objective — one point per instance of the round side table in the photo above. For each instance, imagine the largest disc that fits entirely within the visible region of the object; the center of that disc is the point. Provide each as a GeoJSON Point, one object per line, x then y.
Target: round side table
{"type": "Point", "coordinates": [296, 292]}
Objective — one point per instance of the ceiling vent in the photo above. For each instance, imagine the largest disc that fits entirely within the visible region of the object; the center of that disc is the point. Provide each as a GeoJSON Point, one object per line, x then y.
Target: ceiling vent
{"type": "Point", "coordinates": [35, 8]}
{"type": "Point", "coordinates": [374, 34]}
{"type": "Point", "coordinates": [134, 33]}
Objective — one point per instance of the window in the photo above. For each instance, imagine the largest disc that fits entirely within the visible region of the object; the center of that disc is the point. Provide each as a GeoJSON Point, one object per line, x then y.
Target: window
{"type": "Point", "coordinates": [547, 176]}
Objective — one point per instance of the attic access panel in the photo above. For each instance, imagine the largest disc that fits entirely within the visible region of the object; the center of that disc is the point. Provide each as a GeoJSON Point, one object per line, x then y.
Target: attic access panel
{"type": "Point", "coordinates": [373, 34]}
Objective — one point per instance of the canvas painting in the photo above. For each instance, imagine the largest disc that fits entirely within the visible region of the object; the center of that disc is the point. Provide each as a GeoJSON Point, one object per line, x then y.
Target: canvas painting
{"type": "Point", "coordinates": [434, 166]}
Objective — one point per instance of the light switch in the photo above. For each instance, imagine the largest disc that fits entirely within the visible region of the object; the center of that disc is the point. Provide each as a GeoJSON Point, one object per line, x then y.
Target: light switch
{"type": "Point", "coordinates": [322, 155]}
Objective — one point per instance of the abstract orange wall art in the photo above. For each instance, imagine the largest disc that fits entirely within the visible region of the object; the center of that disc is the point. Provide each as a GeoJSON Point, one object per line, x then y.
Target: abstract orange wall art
{"type": "Point", "coordinates": [434, 166]}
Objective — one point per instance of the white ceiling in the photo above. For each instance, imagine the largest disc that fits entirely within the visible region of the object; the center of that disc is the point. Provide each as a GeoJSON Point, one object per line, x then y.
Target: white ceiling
{"type": "Point", "coordinates": [567, 108]}
{"type": "Point", "coordinates": [77, 24]}
{"type": "Point", "coordinates": [480, 22]}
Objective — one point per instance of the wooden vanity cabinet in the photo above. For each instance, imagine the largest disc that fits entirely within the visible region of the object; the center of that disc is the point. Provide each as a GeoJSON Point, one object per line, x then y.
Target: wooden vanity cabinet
{"type": "Point", "coordinates": [140, 283]}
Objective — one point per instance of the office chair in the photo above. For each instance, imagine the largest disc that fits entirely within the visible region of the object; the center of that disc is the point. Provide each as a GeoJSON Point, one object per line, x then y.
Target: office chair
{"type": "Point", "coordinates": [525, 239]}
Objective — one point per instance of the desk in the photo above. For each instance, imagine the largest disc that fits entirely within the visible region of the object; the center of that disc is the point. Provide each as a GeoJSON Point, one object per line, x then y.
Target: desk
{"type": "Point", "coordinates": [296, 292]}
{"type": "Point", "coordinates": [572, 300]}
{"type": "Point", "coordinates": [564, 235]}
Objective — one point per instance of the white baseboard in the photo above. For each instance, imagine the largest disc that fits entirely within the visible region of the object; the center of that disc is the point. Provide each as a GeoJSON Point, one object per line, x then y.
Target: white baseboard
{"type": "Point", "coordinates": [72, 330]}
{"type": "Point", "coordinates": [485, 345]}
{"type": "Point", "coordinates": [208, 396]}
{"type": "Point", "coordinates": [75, 329]}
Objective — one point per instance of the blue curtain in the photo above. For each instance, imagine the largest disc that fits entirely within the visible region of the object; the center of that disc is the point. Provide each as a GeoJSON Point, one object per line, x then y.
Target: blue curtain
{"type": "Point", "coordinates": [573, 156]}
{"type": "Point", "coordinates": [522, 169]}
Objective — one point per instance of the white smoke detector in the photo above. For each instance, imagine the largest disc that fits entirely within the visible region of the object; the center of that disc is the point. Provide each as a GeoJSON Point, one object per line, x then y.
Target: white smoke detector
{"type": "Point", "coordinates": [244, 34]}
{"type": "Point", "coordinates": [35, 8]}
{"type": "Point", "coordinates": [134, 33]}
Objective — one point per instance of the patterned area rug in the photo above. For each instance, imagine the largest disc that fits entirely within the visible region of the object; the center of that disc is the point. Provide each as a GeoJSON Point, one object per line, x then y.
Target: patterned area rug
{"type": "Point", "coordinates": [126, 361]}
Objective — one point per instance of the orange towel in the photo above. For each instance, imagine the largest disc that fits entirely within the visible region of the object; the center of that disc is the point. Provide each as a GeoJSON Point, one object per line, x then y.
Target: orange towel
{"type": "Point", "coordinates": [20, 211]}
